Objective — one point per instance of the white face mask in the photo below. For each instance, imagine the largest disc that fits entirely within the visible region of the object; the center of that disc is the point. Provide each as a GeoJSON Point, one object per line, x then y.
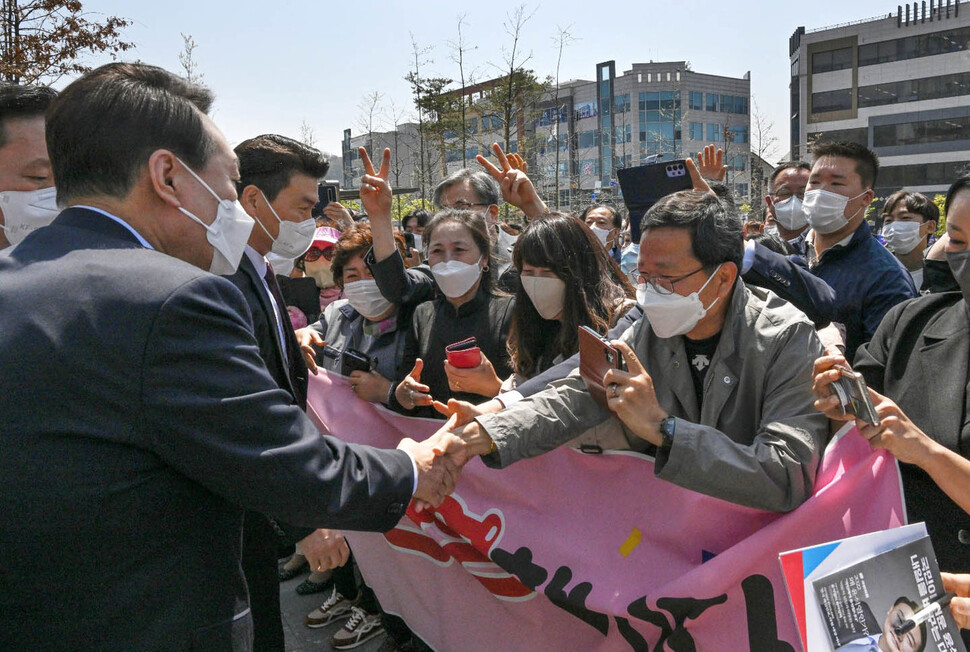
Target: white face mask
{"type": "Point", "coordinates": [228, 233]}
{"type": "Point", "coordinates": [455, 278]}
{"type": "Point", "coordinates": [628, 260]}
{"type": "Point", "coordinates": [293, 238]}
{"type": "Point", "coordinates": [771, 229]}
{"type": "Point", "coordinates": [504, 243]}
{"type": "Point", "coordinates": [791, 214]}
{"type": "Point", "coordinates": [826, 210]}
{"type": "Point", "coordinates": [548, 294]}
{"type": "Point", "coordinates": [902, 237]}
{"type": "Point", "coordinates": [281, 265]}
{"type": "Point", "coordinates": [365, 297]}
{"type": "Point", "coordinates": [601, 234]}
{"type": "Point", "coordinates": [25, 211]}
{"type": "Point", "coordinates": [673, 314]}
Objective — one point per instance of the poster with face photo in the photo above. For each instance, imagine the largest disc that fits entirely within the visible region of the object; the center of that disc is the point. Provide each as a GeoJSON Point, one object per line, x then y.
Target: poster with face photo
{"type": "Point", "coordinates": [866, 606]}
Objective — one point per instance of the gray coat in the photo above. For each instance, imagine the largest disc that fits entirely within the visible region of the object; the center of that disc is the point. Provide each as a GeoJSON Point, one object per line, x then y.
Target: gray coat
{"type": "Point", "coordinates": [756, 440]}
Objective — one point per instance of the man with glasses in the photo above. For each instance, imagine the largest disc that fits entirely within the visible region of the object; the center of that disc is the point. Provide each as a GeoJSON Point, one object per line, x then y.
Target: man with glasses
{"type": "Point", "coordinates": [718, 376]}
{"type": "Point", "coordinates": [786, 190]}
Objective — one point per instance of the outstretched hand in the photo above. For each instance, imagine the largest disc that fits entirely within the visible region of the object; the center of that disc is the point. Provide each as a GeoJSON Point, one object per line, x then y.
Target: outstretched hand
{"type": "Point", "coordinates": [517, 188]}
{"type": "Point", "coordinates": [712, 163]}
{"type": "Point", "coordinates": [411, 392]}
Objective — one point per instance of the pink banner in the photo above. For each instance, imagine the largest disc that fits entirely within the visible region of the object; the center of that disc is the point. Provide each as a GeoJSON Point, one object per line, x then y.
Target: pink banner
{"type": "Point", "coordinates": [593, 552]}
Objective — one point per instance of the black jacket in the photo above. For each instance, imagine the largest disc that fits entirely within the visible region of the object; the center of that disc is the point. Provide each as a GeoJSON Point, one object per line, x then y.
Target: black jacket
{"type": "Point", "coordinates": [138, 421]}
{"type": "Point", "coordinates": [919, 358]}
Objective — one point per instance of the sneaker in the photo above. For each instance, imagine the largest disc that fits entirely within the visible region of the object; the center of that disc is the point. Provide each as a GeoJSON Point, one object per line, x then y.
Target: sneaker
{"type": "Point", "coordinates": [361, 627]}
{"type": "Point", "coordinates": [337, 607]}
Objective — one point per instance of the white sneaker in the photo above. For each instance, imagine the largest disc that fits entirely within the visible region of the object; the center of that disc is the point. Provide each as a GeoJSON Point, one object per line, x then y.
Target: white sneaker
{"type": "Point", "coordinates": [335, 608]}
{"type": "Point", "coordinates": [361, 627]}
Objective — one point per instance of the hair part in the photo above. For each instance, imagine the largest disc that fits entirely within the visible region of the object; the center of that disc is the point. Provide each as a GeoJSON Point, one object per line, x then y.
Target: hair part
{"type": "Point", "coordinates": [486, 188]}
{"type": "Point", "coordinates": [914, 202]}
{"type": "Point", "coordinates": [22, 102]}
{"type": "Point", "coordinates": [270, 161]}
{"type": "Point", "coordinates": [419, 214]}
{"type": "Point", "coordinates": [102, 128]}
{"type": "Point", "coordinates": [866, 161]}
{"type": "Point", "coordinates": [475, 223]}
{"type": "Point", "coordinates": [716, 232]}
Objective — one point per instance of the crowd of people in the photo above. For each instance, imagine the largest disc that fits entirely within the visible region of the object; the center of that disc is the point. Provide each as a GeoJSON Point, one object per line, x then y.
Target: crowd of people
{"type": "Point", "coordinates": [164, 300]}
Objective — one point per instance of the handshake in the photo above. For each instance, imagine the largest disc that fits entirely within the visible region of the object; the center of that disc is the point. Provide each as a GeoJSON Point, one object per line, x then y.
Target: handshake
{"type": "Point", "coordinates": [440, 457]}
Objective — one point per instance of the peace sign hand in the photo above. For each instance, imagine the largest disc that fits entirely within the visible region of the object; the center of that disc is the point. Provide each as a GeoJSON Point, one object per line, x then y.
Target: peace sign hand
{"type": "Point", "coordinates": [375, 191]}
{"type": "Point", "coordinates": [517, 188]}
{"type": "Point", "coordinates": [630, 394]}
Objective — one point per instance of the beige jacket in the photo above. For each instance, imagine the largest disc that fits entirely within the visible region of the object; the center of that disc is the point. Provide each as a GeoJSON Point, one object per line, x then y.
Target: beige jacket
{"type": "Point", "coordinates": [757, 439]}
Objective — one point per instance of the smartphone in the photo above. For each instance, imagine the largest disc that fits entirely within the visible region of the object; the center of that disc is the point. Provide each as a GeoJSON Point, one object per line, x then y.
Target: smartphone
{"type": "Point", "coordinates": [328, 191]}
{"type": "Point", "coordinates": [409, 240]}
{"type": "Point", "coordinates": [464, 354]}
{"type": "Point", "coordinates": [644, 185]}
{"type": "Point", "coordinates": [596, 357]}
{"type": "Point", "coordinates": [353, 360]}
{"type": "Point", "coordinates": [854, 395]}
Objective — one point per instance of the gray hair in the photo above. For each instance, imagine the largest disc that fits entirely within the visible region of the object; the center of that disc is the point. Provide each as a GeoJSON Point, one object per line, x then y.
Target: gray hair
{"type": "Point", "coordinates": [716, 233]}
{"type": "Point", "coordinates": [485, 187]}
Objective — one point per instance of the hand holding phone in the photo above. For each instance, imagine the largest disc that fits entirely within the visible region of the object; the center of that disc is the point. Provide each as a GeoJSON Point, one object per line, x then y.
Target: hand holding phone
{"type": "Point", "coordinates": [854, 395]}
{"type": "Point", "coordinates": [464, 354]}
{"type": "Point", "coordinates": [596, 357]}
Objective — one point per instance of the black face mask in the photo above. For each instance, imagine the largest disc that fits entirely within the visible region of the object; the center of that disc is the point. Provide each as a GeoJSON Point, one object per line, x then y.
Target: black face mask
{"type": "Point", "coordinates": [959, 262]}
{"type": "Point", "coordinates": [938, 277]}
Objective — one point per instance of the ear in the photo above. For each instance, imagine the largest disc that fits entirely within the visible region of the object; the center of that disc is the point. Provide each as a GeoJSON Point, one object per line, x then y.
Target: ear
{"type": "Point", "coordinates": [248, 198]}
{"type": "Point", "coordinates": [931, 229]}
{"type": "Point", "coordinates": [166, 176]}
{"type": "Point", "coordinates": [869, 197]}
{"type": "Point", "coordinates": [727, 275]}
{"type": "Point", "coordinates": [492, 214]}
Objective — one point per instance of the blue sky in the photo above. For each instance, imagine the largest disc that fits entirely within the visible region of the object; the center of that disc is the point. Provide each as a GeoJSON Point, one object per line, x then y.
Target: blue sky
{"type": "Point", "coordinates": [273, 65]}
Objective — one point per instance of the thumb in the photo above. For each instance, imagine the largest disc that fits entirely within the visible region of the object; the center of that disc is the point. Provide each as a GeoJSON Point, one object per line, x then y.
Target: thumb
{"type": "Point", "coordinates": [418, 368]}
{"type": "Point", "coordinates": [316, 338]}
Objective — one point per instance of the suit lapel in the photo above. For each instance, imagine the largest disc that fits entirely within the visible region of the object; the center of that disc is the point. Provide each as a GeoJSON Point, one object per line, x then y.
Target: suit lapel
{"type": "Point", "coordinates": [676, 373]}
{"type": "Point", "coordinates": [946, 345]}
{"type": "Point", "coordinates": [269, 314]}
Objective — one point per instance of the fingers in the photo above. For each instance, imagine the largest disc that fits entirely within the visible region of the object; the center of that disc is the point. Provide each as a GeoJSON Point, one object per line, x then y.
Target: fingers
{"type": "Point", "coordinates": [960, 608]}
{"type": "Point", "coordinates": [365, 159]}
{"type": "Point", "coordinates": [441, 408]}
{"type": "Point", "coordinates": [489, 167]}
{"type": "Point", "coordinates": [958, 583]}
{"type": "Point", "coordinates": [417, 369]}
{"type": "Point", "coordinates": [822, 381]}
{"type": "Point", "coordinates": [632, 361]}
{"type": "Point", "coordinates": [718, 157]}
{"type": "Point", "coordinates": [695, 176]}
{"type": "Point", "coordinates": [827, 362]}
{"type": "Point", "coordinates": [343, 553]}
{"type": "Point", "coordinates": [385, 163]}
{"type": "Point", "coordinates": [502, 159]}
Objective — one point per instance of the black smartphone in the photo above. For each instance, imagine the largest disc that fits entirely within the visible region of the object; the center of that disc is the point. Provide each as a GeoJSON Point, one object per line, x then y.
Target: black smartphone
{"type": "Point", "coordinates": [854, 395]}
{"type": "Point", "coordinates": [353, 360]}
{"type": "Point", "coordinates": [644, 185]}
{"type": "Point", "coordinates": [409, 240]}
{"type": "Point", "coordinates": [328, 191]}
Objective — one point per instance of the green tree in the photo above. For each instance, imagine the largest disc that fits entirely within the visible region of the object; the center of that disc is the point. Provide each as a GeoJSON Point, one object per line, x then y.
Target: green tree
{"type": "Point", "coordinates": [43, 40]}
{"type": "Point", "coordinates": [940, 201]}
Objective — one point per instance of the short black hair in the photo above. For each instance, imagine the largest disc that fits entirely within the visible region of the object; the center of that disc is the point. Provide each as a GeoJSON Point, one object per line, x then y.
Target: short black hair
{"type": "Point", "coordinates": [22, 102]}
{"type": "Point", "coordinates": [485, 187]}
{"type": "Point", "coordinates": [420, 214]}
{"type": "Point", "coordinates": [914, 202]}
{"type": "Point", "coordinates": [270, 161]}
{"type": "Point", "coordinates": [786, 165]}
{"type": "Point", "coordinates": [866, 161]}
{"type": "Point", "coordinates": [962, 183]}
{"type": "Point", "coordinates": [617, 212]}
{"type": "Point", "coordinates": [716, 232]}
{"type": "Point", "coordinates": [102, 128]}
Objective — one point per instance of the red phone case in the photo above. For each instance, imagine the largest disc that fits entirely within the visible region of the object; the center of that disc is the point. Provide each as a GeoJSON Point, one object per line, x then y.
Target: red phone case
{"type": "Point", "coordinates": [464, 354]}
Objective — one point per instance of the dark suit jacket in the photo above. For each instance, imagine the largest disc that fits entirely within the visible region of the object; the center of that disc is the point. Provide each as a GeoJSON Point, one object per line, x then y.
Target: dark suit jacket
{"type": "Point", "coordinates": [138, 420]}
{"type": "Point", "coordinates": [919, 357]}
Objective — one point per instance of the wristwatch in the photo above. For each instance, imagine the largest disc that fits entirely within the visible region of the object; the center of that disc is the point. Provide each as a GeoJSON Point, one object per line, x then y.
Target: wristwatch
{"type": "Point", "coordinates": [667, 432]}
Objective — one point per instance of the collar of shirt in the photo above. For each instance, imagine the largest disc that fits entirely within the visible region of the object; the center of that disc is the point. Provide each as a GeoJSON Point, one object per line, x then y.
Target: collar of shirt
{"type": "Point", "coordinates": [257, 260]}
{"type": "Point", "coordinates": [120, 221]}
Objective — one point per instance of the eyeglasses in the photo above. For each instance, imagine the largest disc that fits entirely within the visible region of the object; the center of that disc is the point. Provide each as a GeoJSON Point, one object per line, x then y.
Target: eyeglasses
{"type": "Point", "coordinates": [662, 284]}
{"type": "Point", "coordinates": [314, 253]}
{"type": "Point", "coordinates": [782, 195]}
{"type": "Point", "coordinates": [461, 205]}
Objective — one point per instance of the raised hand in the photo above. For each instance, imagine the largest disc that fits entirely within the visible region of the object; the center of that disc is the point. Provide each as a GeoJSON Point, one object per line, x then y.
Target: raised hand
{"type": "Point", "coordinates": [712, 163]}
{"type": "Point", "coordinates": [517, 188]}
{"type": "Point", "coordinates": [308, 338]}
{"type": "Point", "coordinates": [339, 214]}
{"type": "Point", "coordinates": [375, 190]}
{"type": "Point", "coordinates": [411, 392]}
{"type": "Point", "coordinates": [631, 395]}
{"type": "Point", "coordinates": [324, 549]}
{"type": "Point", "coordinates": [695, 177]}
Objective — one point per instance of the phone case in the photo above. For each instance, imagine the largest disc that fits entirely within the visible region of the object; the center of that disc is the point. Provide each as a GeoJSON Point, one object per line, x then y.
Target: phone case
{"type": "Point", "coordinates": [464, 354]}
{"type": "Point", "coordinates": [644, 185]}
{"type": "Point", "coordinates": [353, 360]}
{"type": "Point", "coordinates": [596, 357]}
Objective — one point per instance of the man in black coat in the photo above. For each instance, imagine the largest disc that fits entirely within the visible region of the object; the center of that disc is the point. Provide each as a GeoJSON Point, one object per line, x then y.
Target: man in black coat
{"type": "Point", "coordinates": [138, 416]}
{"type": "Point", "coordinates": [278, 183]}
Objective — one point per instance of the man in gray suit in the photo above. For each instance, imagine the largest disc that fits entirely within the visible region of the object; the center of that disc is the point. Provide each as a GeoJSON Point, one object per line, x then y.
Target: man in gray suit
{"type": "Point", "coordinates": [138, 417]}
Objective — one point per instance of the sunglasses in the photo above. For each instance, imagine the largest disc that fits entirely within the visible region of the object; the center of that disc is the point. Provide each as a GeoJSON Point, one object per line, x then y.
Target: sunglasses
{"type": "Point", "coordinates": [314, 254]}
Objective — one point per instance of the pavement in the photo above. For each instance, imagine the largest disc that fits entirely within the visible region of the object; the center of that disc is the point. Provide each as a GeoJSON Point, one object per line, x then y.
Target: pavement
{"type": "Point", "coordinates": [299, 637]}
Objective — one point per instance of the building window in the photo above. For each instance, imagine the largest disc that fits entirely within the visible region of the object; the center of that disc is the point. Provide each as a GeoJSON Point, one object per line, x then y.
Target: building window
{"type": "Point", "coordinates": [738, 134]}
{"type": "Point", "coordinates": [741, 189]}
{"type": "Point", "coordinates": [737, 162]}
{"type": "Point", "coordinates": [911, 47]}
{"type": "Point", "coordinates": [622, 103]}
{"type": "Point", "coordinates": [589, 167]}
{"type": "Point", "coordinates": [925, 174]}
{"type": "Point", "coordinates": [839, 100]}
{"type": "Point", "coordinates": [677, 75]}
{"type": "Point", "coordinates": [832, 60]}
{"type": "Point", "coordinates": [712, 102]}
{"type": "Point", "coordinates": [624, 133]}
{"type": "Point", "coordinates": [586, 110]}
{"type": "Point", "coordinates": [659, 120]}
{"type": "Point", "coordinates": [696, 100]}
{"type": "Point", "coordinates": [639, 77]}
{"type": "Point", "coordinates": [911, 90]}
{"type": "Point", "coordinates": [715, 133]}
{"type": "Point", "coordinates": [471, 126]}
{"type": "Point", "coordinates": [858, 136]}
{"type": "Point", "coordinates": [696, 131]}
{"type": "Point", "coordinates": [649, 77]}
{"type": "Point", "coordinates": [917, 133]}
{"type": "Point", "coordinates": [668, 76]}
{"type": "Point", "coordinates": [589, 139]}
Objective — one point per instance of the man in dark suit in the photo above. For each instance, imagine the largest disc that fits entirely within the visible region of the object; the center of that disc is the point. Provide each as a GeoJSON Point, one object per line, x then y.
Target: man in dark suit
{"type": "Point", "coordinates": [138, 416]}
{"type": "Point", "coordinates": [278, 184]}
